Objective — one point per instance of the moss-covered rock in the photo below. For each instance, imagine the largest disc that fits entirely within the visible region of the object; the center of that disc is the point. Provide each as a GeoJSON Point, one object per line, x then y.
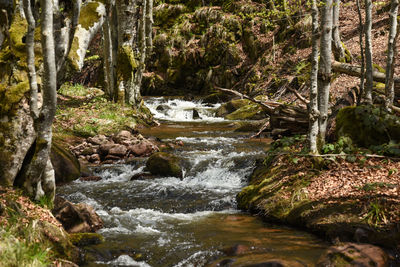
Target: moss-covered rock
{"type": "Point", "coordinates": [66, 165]}
{"type": "Point", "coordinates": [249, 112]}
{"type": "Point", "coordinates": [368, 125]}
{"type": "Point", "coordinates": [231, 106]}
{"type": "Point", "coordinates": [86, 239]}
{"type": "Point", "coordinates": [164, 164]}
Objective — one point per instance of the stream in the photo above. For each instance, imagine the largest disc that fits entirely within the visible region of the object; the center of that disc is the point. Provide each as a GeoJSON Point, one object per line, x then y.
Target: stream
{"type": "Point", "coordinates": [172, 222]}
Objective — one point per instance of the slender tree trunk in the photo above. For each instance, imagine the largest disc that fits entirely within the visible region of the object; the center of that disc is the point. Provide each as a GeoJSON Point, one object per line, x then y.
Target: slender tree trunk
{"type": "Point", "coordinates": [391, 52]}
{"type": "Point", "coordinates": [361, 32]}
{"type": "Point", "coordinates": [149, 27]}
{"type": "Point", "coordinates": [313, 105]}
{"type": "Point", "coordinates": [114, 48]}
{"type": "Point", "coordinates": [368, 52]}
{"type": "Point", "coordinates": [337, 46]}
{"type": "Point", "coordinates": [108, 54]}
{"type": "Point", "coordinates": [30, 49]}
{"type": "Point", "coordinates": [324, 73]}
{"type": "Point", "coordinates": [39, 176]}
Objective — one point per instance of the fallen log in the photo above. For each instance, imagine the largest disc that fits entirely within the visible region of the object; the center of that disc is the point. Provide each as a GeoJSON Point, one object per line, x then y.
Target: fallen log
{"type": "Point", "coordinates": [353, 70]}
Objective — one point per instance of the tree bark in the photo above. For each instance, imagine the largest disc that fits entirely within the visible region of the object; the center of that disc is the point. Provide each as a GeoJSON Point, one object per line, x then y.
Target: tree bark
{"type": "Point", "coordinates": [30, 58]}
{"type": "Point", "coordinates": [368, 52]}
{"type": "Point", "coordinates": [324, 72]}
{"type": "Point", "coordinates": [390, 62]}
{"type": "Point", "coordinates": [337, 46]}
{"type": "Point", "coordinates": [37, 179]}
{"type": "Point", "coordinates": [149, 27]}
{"type": "Point", "coordinates": [360, 36]}
{"type": "Point", "coordinates": [313, 105]}
{"type": "Point", "coordinates": [109, 71]}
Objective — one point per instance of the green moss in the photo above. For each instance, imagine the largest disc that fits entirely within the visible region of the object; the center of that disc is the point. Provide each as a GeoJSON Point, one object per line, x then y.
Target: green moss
{"type": "Point", "coordinates": [165, 164]}
{"type": "Point", "coordinates": [10, 96]}
{"type": "Point", "coordinates": [73, 57]}
{"type": "Point", "coordinates": [367, 125]}
{"type": "Point", "coordinates": [248, 112]}
{"type": "Point", "coordinates": [126, 63]}
{"type": "Point", "coordinates": [18, 30]}
{"type": "Point", "coordinates": [85, 239]}
{"type": "Point", "coordinates": [89, 15]}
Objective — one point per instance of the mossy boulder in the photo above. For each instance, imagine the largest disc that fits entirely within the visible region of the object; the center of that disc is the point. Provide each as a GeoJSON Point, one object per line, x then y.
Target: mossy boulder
{"type": "Point", "coordinates": [231, 106]}
{"type": "Point", "coordinates": [66, 166]}
{"type": "Point", "coordinates": [165, 164]}
{"type": "Point", "coordinates": [86, 239]}
{"type": "Point", "coordinates": [368, 125]}
{"type": "Point", "coordinates": [249, 112]}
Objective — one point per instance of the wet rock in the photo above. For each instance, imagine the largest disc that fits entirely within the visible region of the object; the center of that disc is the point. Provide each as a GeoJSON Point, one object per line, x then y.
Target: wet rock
{"type": "Point", "coordinates": [143, 176]}
{"type": "Point", "coordinates": [351, 254]}
{"type": "Point", "coordinates": [91, 178]}
{"type": "Point", "coordinates": [76, 218]}
{"type": "Point", "coordinates": [256, 260]}
{"type": "Point", "coordinates": [235, 250]}
{"type": "Point", "coordinates": [66, 165]}
{"type": "Point", "coordinates": [86, 239]}
{"type": "Point", "coordinates": [89, 151]}
{"type": "Point", "coordinates": [196, 115]}
{"type": "Point", "coordinates": [164, 164]}
{"type": "Point", "coordinates": [118, 150]}
{"type": "Point", "coordinates": [162, 108]}
{"type": "Point", "coordinates": [104, 149]}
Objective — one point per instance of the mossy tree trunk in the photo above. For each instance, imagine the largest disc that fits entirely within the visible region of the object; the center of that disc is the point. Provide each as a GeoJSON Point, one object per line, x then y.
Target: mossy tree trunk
{"type": "Point", "coordinates": [368, 52]}
{"type": "Point", "coordinates": [108, 55]}
{"type": "Point", "coordinates": [313, 105]}
{"type": "Point", "coordinates": [149, 27]}
{"type": "Point", "coordinates": [391, 52]}
{"type": "Point", "coordinates": [338, 48]}
{"type": "Point", "coordinates": [324, 71]}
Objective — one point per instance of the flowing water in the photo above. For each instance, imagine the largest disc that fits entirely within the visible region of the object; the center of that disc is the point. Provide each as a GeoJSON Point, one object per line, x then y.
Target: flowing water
{"type": "Point", "coordinates": [172, 222]}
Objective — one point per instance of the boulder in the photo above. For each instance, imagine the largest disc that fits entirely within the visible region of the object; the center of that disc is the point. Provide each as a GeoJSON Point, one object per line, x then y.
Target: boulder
{"type": "Point", "coordinates": [164, 164]}
{"type": "Point", "coordinates": [105, 148]}
{"type": "Point", "coordinates": [143, 176]}
{"type": "Point", "coordinates": [98, 139]}
{"type": "Point", "coordinates": [231, 106]}
{"type": "Point", "coordinates": [248, 112]}
{"type": "Point", "coordinates": [86, 239]}
{"type": "Point", "coordinates": [351, 254]}
{"type": "Point", "coordinates": [367, 125]}
{"type": "Point", "coordinates": [90, 178]}
{"type": "Point", "coordinates": [66, 166]}
{"type": "Point", "coordinates": [118, 150]}
{"type": "Point", "coordinates": [78, 218]}
{"type": "Point", "coordinates": [196, 115]}
{"type": "Point", "coordinates": [143, 148]}
{"type": "Point", "coordinates": [122, 136]}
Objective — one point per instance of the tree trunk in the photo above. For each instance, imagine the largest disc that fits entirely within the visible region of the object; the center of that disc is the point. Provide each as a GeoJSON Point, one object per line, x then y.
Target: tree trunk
{"type": "Point", "coordinates": [108, 59]}
{"type": "Point", "coordinates": [368, 52]}
{"type": "Point", "coordinates": [313, 105]}
{"type": "Point", "coordinates": [361, 32]}
{"type": "Point", "coordinates": [324, 72]}
{"type": "Point", "coordinates": [127, 13]}
{"type": "Point", "coordinates": [30, 58]}
{"type": "Point", "coordinates": [38, 179]}
{"type": "Point", "coordinates": [149, 27]}
{"type": "Point", "coordinates": [389, 84]}
{"type": "Point", "coordinates": [337, 46]}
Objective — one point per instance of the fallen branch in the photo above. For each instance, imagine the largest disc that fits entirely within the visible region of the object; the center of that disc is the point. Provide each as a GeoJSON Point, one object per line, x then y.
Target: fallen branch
{"type": "Point", "coordinates": [333, 155]}
{"type": "Point", "coordinates": [265, 126]}
{"type": "Point", "coordinates": [299, 96]}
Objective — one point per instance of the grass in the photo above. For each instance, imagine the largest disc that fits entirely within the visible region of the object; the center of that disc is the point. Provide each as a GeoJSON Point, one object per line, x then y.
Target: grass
{"type": "Point", "coordinates": [85, 112]}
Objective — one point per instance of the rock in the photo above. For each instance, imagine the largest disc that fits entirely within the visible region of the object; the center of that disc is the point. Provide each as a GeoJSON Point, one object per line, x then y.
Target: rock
{"type": "Point", "coordinates": [196, 115]}
{"type": "Point", "coordinates": [94, 158]}
{"type": "Point", "coordinates": [91, 178]}
{"type": "Point", "coordinates": [104, 149]}
{"type": "Point", "coordinates": [143, 148]}
{"type": "Point", "coordinates": [250, 126]}
{"type": "Point", "coordinates": [76, 218]}
{"type": "Point", "coordinates": [143, 176]}
{"type": "Point", "coordinates": [98, 140]}
{"type": "Point", "coordinates": [66, 165]}
{"type": "Point", "coordinates": [351, 254]}
{"type": "Point", "coordinates": [256, 260]}
{"type": "Point", "coordinates": [235, 250]}
{"type": "Point", "coordinates": [89, 151]}
{"type": "Point", "coordinates": [86, 239]}
{"type": "Point", "coordinates": [112, 158]}
{"type": "Point", "coordinates": [123, 136]}
{"type": "Point", "coordinates": [118, 150]}
{"type": "Point", "coordinates": [162, 108]}
{"type": "Point", "coordinates": [231, 106]}
{"type": "Point", "coordinates": [164, 164]}
{"type": "Point", "coordinates": [248, 112]}
{"type": "Point", "coordinates": [2, 209]}
{"type": "Point", "coordinates": [367, 125]}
